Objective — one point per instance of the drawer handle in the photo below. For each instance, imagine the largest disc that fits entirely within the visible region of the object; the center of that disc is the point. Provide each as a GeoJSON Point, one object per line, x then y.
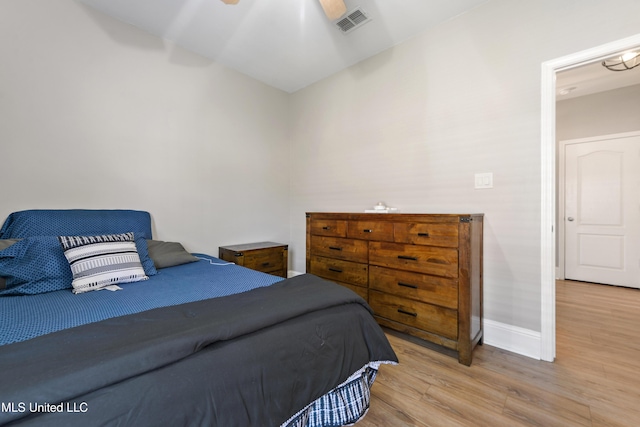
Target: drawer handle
{"type": "Point", "coordinates": [335, 270]}
{"type": "Point", "coordinates": [367, 230]}
{"type": "Point", "coordinates": [335, 248]}
{"type": "Point", "coordinates": [265, 264]}
{"type": "Point", "coordinates": [326, 228]}
{"type": "Point", "coordinates": [423, 234]}
{"type": "Point", "coordinates": [406, 285]}
{"type": "Point", "coordinates": [408, 313]}
{"type": "Point", "coordinates": [409, 258]}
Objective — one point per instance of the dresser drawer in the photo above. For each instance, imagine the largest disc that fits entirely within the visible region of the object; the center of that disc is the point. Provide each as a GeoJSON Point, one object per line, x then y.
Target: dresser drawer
{"type": "Point", "coordinates": [436, 234]}
{"type": "Point", "coordinates": [337, 247]}
{"type": "Point", "coordinates": [421, 259]}
{"type": "Point", "coordinates": [370, 230]}
{"type": "Point", "coordinates": [431, 289]}
{"type": "Point", "coordinates": [328, 227]}
{"type": "Point", "coordinates": [438, 320]}
{"type": "Point", "coordinates": [360, 290]}
{"type": "Point", "coordinates": [339, 270]}
{"type": "Point", "coordinates": [264, 260]}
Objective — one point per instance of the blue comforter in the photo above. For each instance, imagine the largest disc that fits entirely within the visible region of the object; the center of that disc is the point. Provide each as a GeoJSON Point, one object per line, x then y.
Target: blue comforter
{"type": "Point", "coordinates": [26, 317]}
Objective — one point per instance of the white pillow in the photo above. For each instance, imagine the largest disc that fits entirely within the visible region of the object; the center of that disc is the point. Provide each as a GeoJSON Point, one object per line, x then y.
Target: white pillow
{"type": "Point", "coordinates": [100, 261]}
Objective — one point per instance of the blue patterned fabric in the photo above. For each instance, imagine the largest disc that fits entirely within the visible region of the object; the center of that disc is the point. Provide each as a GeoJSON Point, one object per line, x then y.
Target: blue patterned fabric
{"type": "Point", "coordinates": [37, 264]}
{"type": "Point", "coordinates": [34, 265]}
{"type": "Point", "coordinates": [82, 222]}
{"type": "Point", "coordinates": [143, 252]}
{"type": "Point", "coordinates": [75, 222]}
{"type": "Point", "coordinates": [344, 405]}
{"type": "Point", "coordinates": [26, 317]}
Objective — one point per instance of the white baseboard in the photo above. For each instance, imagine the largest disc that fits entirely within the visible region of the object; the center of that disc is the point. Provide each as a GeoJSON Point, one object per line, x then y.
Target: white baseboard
{"type": "Point", "coordinates": [507, 337]}
{"type": "Point", "coordinates": [293, 273]}
{"type": "Point", "coordinates": [512, 338]}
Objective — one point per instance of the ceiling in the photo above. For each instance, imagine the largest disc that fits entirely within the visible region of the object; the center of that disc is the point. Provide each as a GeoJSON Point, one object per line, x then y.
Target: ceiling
{"type": "Point", "coordinates": [592, 78]}
{"type": "Point", "coordinates": [287, 44]}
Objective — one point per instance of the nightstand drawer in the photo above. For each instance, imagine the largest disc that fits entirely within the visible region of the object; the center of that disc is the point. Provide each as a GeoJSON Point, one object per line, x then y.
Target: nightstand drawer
{"type": "Point", "coordinates": [431, 318]}
{"type": "Point", "coordinates": [339, 248]}
{"type": "Point", "coordinates": [421, 259]}
{"type": "Point", "coordinates": [264, 260]}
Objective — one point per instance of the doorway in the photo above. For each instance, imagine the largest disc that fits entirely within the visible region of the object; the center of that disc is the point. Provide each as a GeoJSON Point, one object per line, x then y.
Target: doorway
{"type": "Point", "coordinates": [598, 216]}
{"type": "Point", "coordinates": [548, 179]}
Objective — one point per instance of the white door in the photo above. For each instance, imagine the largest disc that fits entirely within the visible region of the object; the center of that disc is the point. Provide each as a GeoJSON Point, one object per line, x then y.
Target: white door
{"type": "Point", "coordinates": [602, 210]}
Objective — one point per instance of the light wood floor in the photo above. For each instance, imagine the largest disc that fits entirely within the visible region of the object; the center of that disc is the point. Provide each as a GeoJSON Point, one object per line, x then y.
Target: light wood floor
{"type": "Point", "coordinates": [595, 380]}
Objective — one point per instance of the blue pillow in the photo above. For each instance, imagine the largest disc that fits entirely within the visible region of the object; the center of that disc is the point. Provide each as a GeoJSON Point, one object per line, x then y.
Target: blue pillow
{"type": "Point", "coordinates": [34, 265]}
{"type": "Point", "coordinates": [82, 222]}
{"type": "Point", "coordinates": [143, 251]}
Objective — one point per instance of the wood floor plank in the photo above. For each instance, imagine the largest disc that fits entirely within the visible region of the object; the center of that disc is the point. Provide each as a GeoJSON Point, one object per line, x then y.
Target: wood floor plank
{"type": "Point", "coordinates": [593, 382]}
{"type": "Point", "coordinates": [532, 415]}
{"type": "Point", "coordinates": [383, 414]}
{"type": "Point", "coordinates": [608, 416]}
{"type": "Point", "coordinates": [466, 407]}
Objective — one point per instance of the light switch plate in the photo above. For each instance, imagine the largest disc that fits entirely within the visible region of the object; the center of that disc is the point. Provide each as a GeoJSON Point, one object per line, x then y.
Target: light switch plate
{"type": "Point", "coordinates": [484, 180]}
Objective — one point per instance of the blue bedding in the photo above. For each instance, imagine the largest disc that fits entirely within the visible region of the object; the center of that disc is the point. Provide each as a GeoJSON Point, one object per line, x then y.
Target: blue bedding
{"type": "Point", "coordinates": [26, 317]}
{"type": "Point", "coordinates": [314, 363]}
{"type": "Point", "coordinates": [57, 222]}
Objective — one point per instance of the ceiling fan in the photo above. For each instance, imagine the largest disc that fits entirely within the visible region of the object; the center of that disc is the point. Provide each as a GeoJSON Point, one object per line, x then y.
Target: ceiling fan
{"type": "Point", "coordinates": [334, 9]}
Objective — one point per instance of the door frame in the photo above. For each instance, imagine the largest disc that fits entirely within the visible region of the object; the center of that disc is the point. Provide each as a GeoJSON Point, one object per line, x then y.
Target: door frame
{"type": "Point", "coordinates": [560, 270]}
{"type": "Point", "coordinates": [548, 180]}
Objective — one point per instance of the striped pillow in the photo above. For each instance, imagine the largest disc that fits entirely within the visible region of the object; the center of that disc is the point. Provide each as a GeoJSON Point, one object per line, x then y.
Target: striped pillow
{"type": "Point", "coordinates": [100, 261]}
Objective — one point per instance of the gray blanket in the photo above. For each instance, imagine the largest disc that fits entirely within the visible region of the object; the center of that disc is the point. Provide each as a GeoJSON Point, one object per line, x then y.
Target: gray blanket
{"type": "Point", "coordinates": [254, 358]}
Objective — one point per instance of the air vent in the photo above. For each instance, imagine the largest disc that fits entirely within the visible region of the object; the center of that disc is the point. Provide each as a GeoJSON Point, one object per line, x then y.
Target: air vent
{"type": "Point", "coordinates": [352, 20]}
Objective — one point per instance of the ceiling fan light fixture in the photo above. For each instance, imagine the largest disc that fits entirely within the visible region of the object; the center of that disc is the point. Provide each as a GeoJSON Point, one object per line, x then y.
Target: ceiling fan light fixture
{"type": "Point", "coordinates": [334, 9]}
{"type": "Point", "coordinates": [230, 1]}
{"type": "Point", "coordinates": [624, 62]}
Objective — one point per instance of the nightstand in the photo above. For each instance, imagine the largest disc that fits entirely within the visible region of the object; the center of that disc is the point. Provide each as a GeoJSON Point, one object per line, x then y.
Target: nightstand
{"type": "Point", "coordinates": [268, 257]}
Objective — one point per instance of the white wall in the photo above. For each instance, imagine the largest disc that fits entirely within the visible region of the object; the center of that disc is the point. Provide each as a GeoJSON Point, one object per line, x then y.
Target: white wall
{"type": "Point", "coordinates": [411, 126]}
{"type": "Point", "coordinates": [95, 113]}
{"type": "Point", "coordinates": [604, 113]}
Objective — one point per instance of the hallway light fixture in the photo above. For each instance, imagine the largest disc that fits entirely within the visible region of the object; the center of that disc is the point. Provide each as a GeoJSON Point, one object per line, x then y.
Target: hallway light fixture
{"type": "Point", "coordinates": [624, 62]}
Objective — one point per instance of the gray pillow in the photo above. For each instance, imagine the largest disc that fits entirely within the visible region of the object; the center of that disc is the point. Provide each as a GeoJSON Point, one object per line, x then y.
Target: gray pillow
{"type": "Point", "coordinates": [168, 254]}
{"type": "Point", "coordinates": [4, 244]}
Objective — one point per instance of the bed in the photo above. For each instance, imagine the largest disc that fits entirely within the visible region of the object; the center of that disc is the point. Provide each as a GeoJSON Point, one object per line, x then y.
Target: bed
{"type": "Point", "coordinates": [103, 325]}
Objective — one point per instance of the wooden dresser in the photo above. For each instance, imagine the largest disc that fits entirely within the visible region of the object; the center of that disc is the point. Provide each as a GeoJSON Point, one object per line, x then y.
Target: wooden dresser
{"type": "Point", "coordinates": [421, 273]}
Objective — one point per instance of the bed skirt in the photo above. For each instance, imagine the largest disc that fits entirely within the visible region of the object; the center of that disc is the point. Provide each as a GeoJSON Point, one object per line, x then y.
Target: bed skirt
{"type": "Point", "coordinates": [342, 406]}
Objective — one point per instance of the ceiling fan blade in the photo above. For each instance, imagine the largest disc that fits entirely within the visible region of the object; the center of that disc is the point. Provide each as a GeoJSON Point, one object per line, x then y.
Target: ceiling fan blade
{"type": "Point", "coordinates": [334, 9]}
{"type": "Point", "coordinates": [230, 1]}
